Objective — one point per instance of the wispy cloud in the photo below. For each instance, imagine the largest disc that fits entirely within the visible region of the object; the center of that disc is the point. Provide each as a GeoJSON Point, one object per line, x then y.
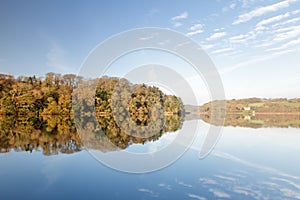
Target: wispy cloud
{"type": "Point", "coordinates": [287, 33]}
{"type": "Point", "coordinates": [194, 32]}
{"type": "Point", "coordinates": [177, 24]}
{"type": "Point", "coordinates": [240, 38]}
{"type": "Point", "coordinates": [254, 165]}
{"type": "Point", "coordinates": [253, 61]}
{"type": "Point", "coordinates": [277, 18]}
{"type": "Point", "coordinates": [207, 181]}
{"type": "Point", "coordinates": [226, 178]}
{"type": "Point", "coordinates": [183, 15]}
{"type": "Point", "coordinates": [290, 21]}
{"type": "Point", "coordinates": [151, 192]}
{"type": "Point", "coordinates": [219, 194]}
{"type": "Point", "coordinates": [196, 27]}
{"type": "Point", "coordinates": [183, 184]}
{"type": "Point", "coordinates": [57, 58]}
{"type": "Point", "coordinates": [176, 20]}
{"type": "Point", "coordinates": [286, 45]}
{"type": "Point", "coordinates": [216, 36]}
{"type": "Point", "coordinates": [232, 6]}
{"type": "Point", "coordinates": [227, 8]}
{"type": "Point", "coordinates": [272, 19]}
{"type": "Point", "coordinates": [207, 46]}
{"type": "Point", "coordinates": [263, 10]}
{"type": "Point", "coordinates": [296, 185]}
{"type": "Point", "coordinates": [166, 186]}
{"type": "Point", "coordinates": [146, 38]}
{"type": "Point", "coordinates": [195, 196]}
{"type": "Point", "coordinates": [222, 50]}
{"type": "Point", "coordinates": [246, 3]}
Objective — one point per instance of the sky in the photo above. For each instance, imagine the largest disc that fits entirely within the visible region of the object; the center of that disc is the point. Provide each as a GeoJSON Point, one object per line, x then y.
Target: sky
{"type": "Point", "coordinates": [254, 44]}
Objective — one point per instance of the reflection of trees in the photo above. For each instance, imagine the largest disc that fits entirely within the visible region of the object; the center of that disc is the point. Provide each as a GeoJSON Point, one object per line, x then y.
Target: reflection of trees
{"type": "Point", "coordinates": [258, 121]}
{"type": "Point", "coordinates": [53, 135]}
{"type": "Point", "coordinates": [37, 114]}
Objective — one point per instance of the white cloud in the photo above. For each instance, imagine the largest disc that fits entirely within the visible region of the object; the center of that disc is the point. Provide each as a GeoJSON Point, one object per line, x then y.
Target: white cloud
{"type": "Point", "coordinates": [222, 50]}
{"type": "Point", "coordinates": [291, 32]}
{"type": "Point", "coordinates": [216, 35]}
{"type": "Point", "coordinates": [146, 38]}
{"type": "Point", "coordinates": [219, 194]}
{"type": "Point", "coordinates": [294, 184]}
{"type": "Point", "coordinates": [166, 186]}
{"type": "Point", "coordinates": [264, 44]}
{"type": "Point", "coordinates": [207, 46]}
{"type": "Point", "coordinates": [275, 19]}
{"type": "Point", "coordinates": [194, 196]}
{"type": "Point", "coordinates": [239, 38]}
{"type": "Point", "coordinates": [194, 32]}
{"type": "Point", "coordinates": [253, 61]}
{"type": "Point", "coordinates": [207, 181]}
{"type": "Point", "coordinates": [151, 192]}
{"type": "Point", "coordinates": [241, 191]}
{"type": "Point", "coordinates": [233, 54]}
{"type": "Point", "coordinates": [182, 44]}
{"type": "Point", "coordinates": [263, 10]}
{"type": "Point", "coordinates": [196, 26]}
{"type": "Point", "coordinates": [289, 28]}
{"type": "Point", "coordinates": [226, 178]}
{"type": "Point", "coordinates": [183, 184]}
{"type": "Point", "coordinates": [177, 24]}
{"type": "Point", "coordinates": [286, 45]}
{"type": "Point", "coordinates": [278, 53]}
{"type": "Point", "coordinates": [183, 15]}
{"type": "Point", "coordinates": [290, 21]}
{"type": "Point", "coordinates": [232, 6]}
{"type": "Point", "coordinates": [218, 29]}
{"type": "Point", "coordinates": [272, 19]}
{"type": "Point", "coordinates": [246, 3]}
{"type": "Point", "coordinates": [254, 165]}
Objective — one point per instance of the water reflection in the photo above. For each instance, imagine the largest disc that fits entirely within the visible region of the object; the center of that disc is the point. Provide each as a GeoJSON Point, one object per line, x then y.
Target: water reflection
{"type": "Point", "coordinates": [57, 134]}
{"type": "Point", "coordinates": [52, 135]}
{"type": "Point", "coordinates": [284, 120]}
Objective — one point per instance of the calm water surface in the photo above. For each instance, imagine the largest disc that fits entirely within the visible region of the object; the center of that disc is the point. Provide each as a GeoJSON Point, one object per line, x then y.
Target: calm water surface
{"type": "Point", "coordinates": [246, 163]}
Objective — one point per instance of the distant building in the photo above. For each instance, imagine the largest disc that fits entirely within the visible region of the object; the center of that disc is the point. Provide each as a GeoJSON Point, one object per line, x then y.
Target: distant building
{"type": "Point", "coordinates": [247, 108]}
{"type": "Point", "coordinates": [247, 118]}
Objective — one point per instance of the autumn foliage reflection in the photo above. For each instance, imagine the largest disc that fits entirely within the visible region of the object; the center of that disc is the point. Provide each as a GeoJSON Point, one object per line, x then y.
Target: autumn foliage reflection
{"type": "Point", "coordinates": [37, 114]}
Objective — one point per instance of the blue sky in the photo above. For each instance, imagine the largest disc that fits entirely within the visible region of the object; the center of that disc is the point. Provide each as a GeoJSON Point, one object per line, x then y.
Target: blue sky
{"type": "Point", "coordinates": [254, 44]}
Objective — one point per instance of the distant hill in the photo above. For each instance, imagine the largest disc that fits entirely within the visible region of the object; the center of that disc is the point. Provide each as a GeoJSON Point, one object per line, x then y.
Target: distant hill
{"type": "Point", "coordinates": [255, 105]}
{"type": "Point", "coordinates": [253, 112]}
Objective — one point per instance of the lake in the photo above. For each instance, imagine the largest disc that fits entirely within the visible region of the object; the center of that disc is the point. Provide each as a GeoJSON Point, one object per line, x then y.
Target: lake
{"type": "Point", "coordinates": [246, 163]}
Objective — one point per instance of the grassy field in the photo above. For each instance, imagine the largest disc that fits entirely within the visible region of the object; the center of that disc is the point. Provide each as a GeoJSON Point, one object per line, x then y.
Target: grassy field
{"type": "Point", "coordinates": [258, 104]}
{"type": "Point", "coordinates": [292, 104]}
{"type": "Point", "coordinates": [257, 121]}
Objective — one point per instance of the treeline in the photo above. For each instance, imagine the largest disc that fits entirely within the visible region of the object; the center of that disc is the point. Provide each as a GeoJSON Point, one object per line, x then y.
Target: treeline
{"type": "Point", "coordinates": [281, 105]}
{"type": "Point", "coordinates": [52, 95]}
{"type": "Point", "coordinates": [32, 96]}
